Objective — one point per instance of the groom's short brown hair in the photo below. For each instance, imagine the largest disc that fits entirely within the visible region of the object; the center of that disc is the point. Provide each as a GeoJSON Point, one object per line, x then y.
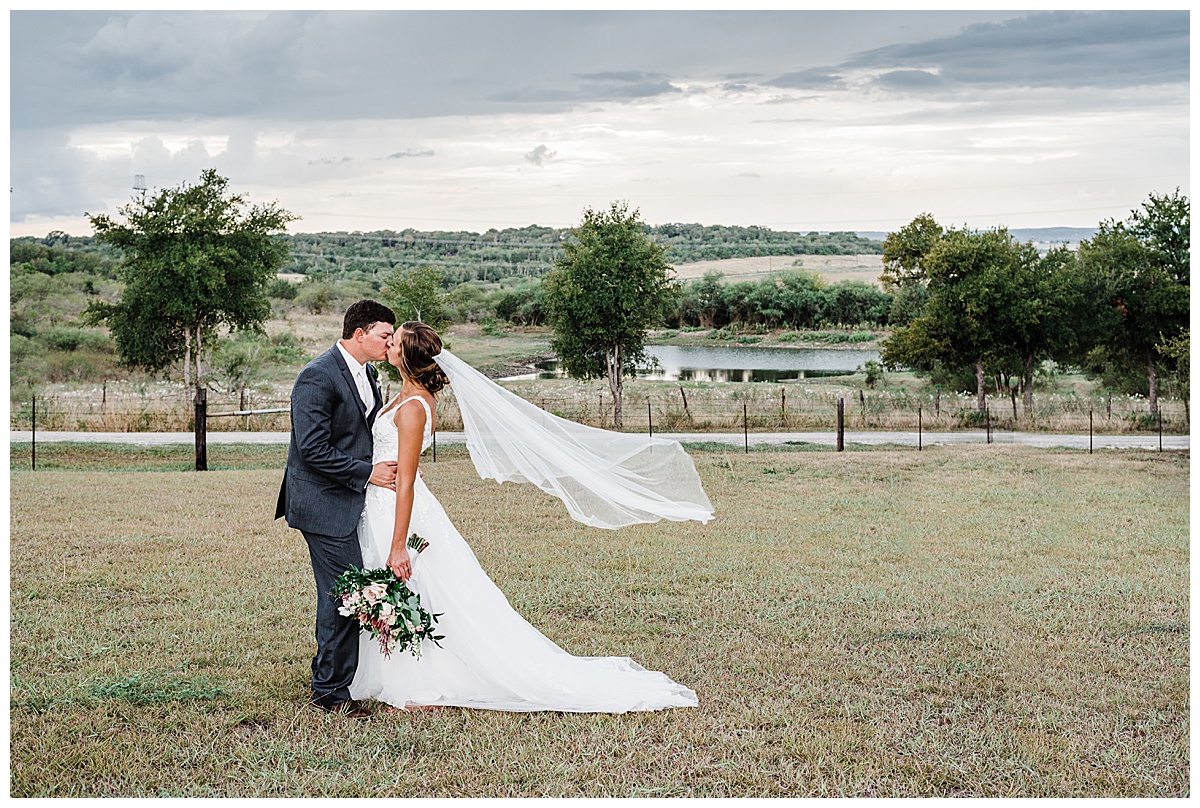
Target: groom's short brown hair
{"type": "Point", "coordinates": [364, 314]}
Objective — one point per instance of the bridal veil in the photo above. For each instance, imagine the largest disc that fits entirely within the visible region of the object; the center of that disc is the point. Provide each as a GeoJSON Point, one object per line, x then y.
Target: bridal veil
{"type": "Point", "coordinates": [606, 479]}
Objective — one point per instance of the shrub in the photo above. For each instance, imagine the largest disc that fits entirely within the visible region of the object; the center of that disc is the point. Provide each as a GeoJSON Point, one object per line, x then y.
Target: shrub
{"type": "Point", "coordinates": [315, 297]}
{"type": "Point", "coordinates": [283, 289]}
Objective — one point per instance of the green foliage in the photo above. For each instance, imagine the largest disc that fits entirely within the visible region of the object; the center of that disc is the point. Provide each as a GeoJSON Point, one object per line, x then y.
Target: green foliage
{"type": "Point", "coordinates": [904, 252]}
{"type": "Point", "coordinates": [611, 285]}
{"type": "Point", "coordinates": [1139, 270]}
{"type": "Point", "coordinates": [532, 251]}
{"type": "Point", "coordinates": [908, 301]}
{"type": "Point", "coordinates": [282, 289]}
{"type": "Point", "coordinates": [193, 261]}
{"type": "Point", "coordinates": [315, 296]}
{"type": "Point", "coordinates": [416, 294]}
{"type": "Point", "coordinates": [872, 373]}
{"type": "Point", "coordinates": [524, 305]}
{"type": "Point", "coordinates": [50, 286]}
{"type": "Point", "coordinates": [976, 300]}
{"type": "Point", "coordinates": [1176, 352]}
{"type": "Point", "coordinates": [240, 361]}
{"type": "Point", "coordinates": [797, 299]}
{"type": "Point", "coordinates": [63, 338]}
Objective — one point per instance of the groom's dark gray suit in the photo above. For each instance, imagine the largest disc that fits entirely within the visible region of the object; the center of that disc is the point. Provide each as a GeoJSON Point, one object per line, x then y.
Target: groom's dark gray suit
{"type": "Point", "coordinates": [322, 495]}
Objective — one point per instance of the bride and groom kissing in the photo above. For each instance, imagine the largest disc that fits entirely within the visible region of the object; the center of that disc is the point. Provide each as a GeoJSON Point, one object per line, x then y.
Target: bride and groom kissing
{"type": "Point", "coordinates": [353, 488]}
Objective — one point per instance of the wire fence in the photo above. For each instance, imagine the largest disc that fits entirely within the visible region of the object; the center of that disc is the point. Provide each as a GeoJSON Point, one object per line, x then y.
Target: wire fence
{"type": "Point", "coordinates": [757, 408]}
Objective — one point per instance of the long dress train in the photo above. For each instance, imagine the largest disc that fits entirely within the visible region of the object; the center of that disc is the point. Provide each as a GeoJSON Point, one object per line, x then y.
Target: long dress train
{"type": "Point", "coordinates": [491, 658]}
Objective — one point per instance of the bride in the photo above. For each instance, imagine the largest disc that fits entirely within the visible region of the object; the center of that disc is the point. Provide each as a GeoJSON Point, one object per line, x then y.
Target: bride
{"type": "Point", "coordinates": [491, 658]}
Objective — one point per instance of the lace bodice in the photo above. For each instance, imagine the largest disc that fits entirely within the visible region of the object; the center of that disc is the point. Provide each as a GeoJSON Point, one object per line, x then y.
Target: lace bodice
{"type": "Point", "coordinates": [387, 437]}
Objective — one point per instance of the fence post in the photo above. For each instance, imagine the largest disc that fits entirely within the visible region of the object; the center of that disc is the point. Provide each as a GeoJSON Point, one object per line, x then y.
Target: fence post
{"type": "Point", "coordinates": [103, 397]}
{"type": "Point", "coordinates": [937, 403]}
{"type": "Point", "coordinates": [919, 430]}
{"type": "Point", "coordinates": [684, 397]}
{"type": "Point", "coordinates": [746, 426]}
{"type": "Point", "coordinates": [841, 424]}
{"type": "Point", "coordinates": [987, 417]}
{"type": "Point", "coordinates": [435, 446]}
{"type": "Point", "coordinates": [33, 434]}
{"type": "Point", "coordinates": [600, 409]}
{"type": "Point", "coordinates": [783, 406]}
{"type": "Point", "coordinates": [1160, 430]}
{"type": "Point", "coordinates": [1089, 431]}
{"type": "Point", "coordinates": [201, 429]}
{"type": "Point", "coordinates": [649, 417]}
{"type": "Point", "coordinates": [1108, 404]}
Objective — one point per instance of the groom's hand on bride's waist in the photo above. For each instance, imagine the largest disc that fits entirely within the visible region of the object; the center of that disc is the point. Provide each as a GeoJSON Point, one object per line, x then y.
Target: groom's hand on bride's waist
{"type": "Point", "coordinates": [384, 475]}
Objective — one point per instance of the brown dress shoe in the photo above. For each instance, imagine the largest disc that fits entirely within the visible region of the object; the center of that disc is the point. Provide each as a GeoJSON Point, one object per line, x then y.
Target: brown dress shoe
{"type": "Point", "coordinates": [349, 708]}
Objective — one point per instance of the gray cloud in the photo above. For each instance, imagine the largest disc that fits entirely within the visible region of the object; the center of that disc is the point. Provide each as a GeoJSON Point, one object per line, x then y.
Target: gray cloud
{"type": "Point", "coordinates": [410, 153]}
{"type": "Point", "coordinates": [70, 68]}
{"type": "Point", "coordinates": [540, 155]}
{"type": "Point", "coordinates": [910, 80]}
{"type": "Point", "coordinates": [622, 75]}
{"type": "Point", "coordinates": [1064, 49]}
{"type": "Point", "coordinates": [814, 78]}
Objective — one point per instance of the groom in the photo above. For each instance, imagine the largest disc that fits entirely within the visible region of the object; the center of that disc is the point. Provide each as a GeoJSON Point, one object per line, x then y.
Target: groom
{"type": "Point", "coordinates": [334, 402]}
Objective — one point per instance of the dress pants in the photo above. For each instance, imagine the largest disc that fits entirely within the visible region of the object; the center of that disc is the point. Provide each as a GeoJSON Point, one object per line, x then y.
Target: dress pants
{"type": "Point", "coordinates": [336, 660]}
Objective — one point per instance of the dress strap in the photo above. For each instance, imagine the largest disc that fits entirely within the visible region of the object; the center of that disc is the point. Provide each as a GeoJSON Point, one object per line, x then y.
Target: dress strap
{"type": "Point", "coordinates": [424, 403]}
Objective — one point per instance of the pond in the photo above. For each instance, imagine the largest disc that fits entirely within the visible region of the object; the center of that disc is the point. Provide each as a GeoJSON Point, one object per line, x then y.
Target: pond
{"type": "Point", "coordinates": [721, 363]}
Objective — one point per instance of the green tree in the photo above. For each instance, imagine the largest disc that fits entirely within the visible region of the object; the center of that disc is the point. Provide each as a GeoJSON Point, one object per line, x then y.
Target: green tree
{"type": "Point", "coordinates": [1142, 267]}
{"type": "Point", "coordinates": [610, 286]}
{"type": "Point", "coordinates": [905, 249]}
{"type": "Point", "coordinates": [416, 294]}
{"type": "Point", "coordinates": [1046, 313]}
{"type": "Point", "coordinates": [974, 306]}
{"type": "Point", "coordinates": [195, 260]}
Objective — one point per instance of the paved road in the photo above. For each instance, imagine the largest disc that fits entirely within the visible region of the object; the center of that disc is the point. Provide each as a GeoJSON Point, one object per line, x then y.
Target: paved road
{"type": "Point", "coordinates": [732, 438]}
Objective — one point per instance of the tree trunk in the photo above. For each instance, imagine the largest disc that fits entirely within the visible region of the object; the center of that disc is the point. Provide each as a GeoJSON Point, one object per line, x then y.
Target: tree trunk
{"type": "Point", "coordinates": [1027, 383]}
{"type": "Point", "coordinates": [612, 358]}
{"type": "Point", "coordinates": [1153, 382]}
{"type": "Point", "coordinates": [980, 388]}
{"type": "Point", "coordinates": [187, 359]}
{"type": "Point", "coordinates": [199, 374]}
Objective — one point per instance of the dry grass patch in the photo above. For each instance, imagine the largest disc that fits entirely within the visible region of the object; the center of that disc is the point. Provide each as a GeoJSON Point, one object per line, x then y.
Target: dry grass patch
{"type": "Point", "coordinates": [965, 621]}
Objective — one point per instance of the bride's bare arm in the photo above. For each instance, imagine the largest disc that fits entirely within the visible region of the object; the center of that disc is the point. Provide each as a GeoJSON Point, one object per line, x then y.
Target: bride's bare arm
{"type": "Point", "coordinates": [410, 424]}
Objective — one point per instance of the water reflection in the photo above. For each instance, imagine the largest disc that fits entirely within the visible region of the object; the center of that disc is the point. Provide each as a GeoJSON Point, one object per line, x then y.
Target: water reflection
{"type": "Point", "coordinates": [727, 364]}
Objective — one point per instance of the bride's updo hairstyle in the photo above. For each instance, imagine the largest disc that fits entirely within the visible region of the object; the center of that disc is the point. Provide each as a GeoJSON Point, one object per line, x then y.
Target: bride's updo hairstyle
{"type": "Point", "coordinates": [419, 343]}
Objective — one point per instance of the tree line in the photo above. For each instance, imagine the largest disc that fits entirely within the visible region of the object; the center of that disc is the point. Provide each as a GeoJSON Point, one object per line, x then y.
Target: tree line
{"type": "Point", "coordinates": [533, 251]}
{"type": "Point", "coordinates": [986, 306]}
{"type": "Point", "coordinates": [967, 308]}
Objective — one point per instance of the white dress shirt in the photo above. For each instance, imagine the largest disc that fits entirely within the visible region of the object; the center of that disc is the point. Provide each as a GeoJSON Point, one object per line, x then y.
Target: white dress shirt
{"type": "Point", "coordinates": [359, 372]}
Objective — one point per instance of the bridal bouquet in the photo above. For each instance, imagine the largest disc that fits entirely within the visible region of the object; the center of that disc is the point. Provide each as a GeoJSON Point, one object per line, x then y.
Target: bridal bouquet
{"type": "Point", "coordinates": [383, 604]}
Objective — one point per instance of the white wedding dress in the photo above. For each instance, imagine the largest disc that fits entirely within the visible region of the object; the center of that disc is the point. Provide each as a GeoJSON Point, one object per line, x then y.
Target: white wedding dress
{"type": "Point", "coordinates": [491, 658]}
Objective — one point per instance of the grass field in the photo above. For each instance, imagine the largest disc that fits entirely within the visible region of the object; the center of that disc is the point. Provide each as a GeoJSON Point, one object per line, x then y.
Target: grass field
{"type": "Point", "coordinates": [971, 620]}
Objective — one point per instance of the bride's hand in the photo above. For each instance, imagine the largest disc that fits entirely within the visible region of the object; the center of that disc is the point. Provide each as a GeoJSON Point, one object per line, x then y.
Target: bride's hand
{"type": "Point", "coordinates": [398, 562]}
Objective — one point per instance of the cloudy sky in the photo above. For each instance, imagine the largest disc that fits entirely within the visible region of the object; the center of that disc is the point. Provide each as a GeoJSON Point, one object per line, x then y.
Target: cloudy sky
{"type": "Point", "coordinates": [466, 120]}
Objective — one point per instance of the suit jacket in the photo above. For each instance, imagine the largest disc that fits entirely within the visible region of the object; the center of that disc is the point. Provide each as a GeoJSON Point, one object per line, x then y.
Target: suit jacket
{"type": "Point", "coordinates": [329, 455]}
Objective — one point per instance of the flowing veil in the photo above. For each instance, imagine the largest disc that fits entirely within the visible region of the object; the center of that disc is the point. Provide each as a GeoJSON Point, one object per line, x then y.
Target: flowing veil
{"type": "Point", "coordinates": [606, 479]}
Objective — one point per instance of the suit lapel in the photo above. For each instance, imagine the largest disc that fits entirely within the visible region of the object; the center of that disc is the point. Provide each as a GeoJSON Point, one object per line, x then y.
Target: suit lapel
{"type": "Point", "coordinates": [349, 377]}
